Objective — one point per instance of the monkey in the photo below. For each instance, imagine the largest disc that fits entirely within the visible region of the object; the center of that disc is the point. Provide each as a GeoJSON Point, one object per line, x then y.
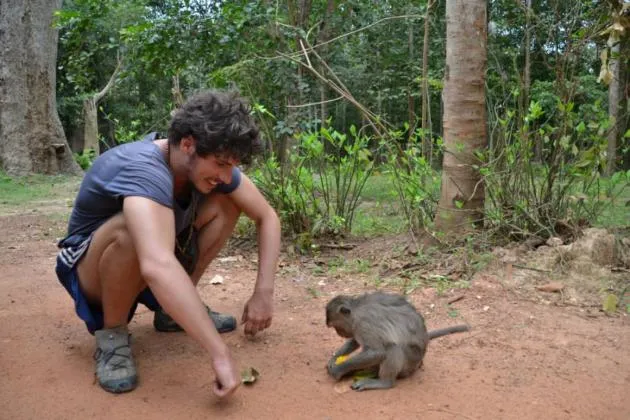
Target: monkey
{"type": "Point", "coordinates": [391, 333]}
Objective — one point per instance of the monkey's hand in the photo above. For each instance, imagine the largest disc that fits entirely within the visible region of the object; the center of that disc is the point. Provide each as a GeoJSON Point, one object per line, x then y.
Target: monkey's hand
{"type": "Point", "coordinates": [348, 347]}
{"type": "Point", "coordinates": [334, 369]}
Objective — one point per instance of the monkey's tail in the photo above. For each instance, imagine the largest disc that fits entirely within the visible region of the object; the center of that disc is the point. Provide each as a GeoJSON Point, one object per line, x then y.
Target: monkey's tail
{"type": "Point", "coordinates": [446, 331]}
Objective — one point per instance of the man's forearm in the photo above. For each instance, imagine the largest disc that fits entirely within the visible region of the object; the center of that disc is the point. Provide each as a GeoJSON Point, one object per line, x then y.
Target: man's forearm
{"type": "Point", "coordinates": [268, 253]}
{"type": "Point", "coordinates": [178, 297]}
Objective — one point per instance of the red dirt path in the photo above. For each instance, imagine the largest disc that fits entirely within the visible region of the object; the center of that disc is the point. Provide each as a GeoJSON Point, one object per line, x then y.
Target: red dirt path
{"type": "Point", "coordinates": [521, 361]}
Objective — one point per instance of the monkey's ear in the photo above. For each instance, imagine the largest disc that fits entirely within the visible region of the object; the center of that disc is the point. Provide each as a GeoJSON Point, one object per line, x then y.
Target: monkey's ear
{"type": "Point", "coordinates": [344, 310]}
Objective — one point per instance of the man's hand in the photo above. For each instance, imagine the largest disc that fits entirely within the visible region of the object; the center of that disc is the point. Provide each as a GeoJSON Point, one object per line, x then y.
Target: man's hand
{"type": "Point", "coordinates": [227, 379]}
{"type": "Point", "coordinates": [257, 313]}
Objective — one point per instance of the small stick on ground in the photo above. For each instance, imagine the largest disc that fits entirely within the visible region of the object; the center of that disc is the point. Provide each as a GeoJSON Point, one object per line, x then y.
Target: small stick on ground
{"type": "Point", "coordinates": [524, 267]}
{"type": "Point", "coordinates": [453, 413]}
{"type": "Point", "coordinates": [455, 299]}
{"type": "Point", "coordinates": [338, 246]}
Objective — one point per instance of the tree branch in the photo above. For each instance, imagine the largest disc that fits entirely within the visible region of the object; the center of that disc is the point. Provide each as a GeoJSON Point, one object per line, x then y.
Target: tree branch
{"type": "Point", "coordinates": [109, 84]}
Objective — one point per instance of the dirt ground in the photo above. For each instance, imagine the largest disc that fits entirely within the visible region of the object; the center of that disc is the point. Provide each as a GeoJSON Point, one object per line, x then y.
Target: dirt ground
{"type": "Point", "coordinates": [524, 358]}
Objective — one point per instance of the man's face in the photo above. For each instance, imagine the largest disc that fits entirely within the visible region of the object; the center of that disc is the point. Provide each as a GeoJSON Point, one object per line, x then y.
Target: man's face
{"type": "Point", "coordinates": [207, 172]}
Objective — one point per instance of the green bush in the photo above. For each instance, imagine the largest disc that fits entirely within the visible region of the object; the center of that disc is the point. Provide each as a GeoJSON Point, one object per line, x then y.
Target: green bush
{"type": "Point", "coordinates": [318, 190]}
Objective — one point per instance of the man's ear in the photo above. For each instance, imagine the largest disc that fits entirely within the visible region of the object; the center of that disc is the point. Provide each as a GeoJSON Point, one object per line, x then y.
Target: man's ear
{"type": "Point", "coordinates": [188, 145]}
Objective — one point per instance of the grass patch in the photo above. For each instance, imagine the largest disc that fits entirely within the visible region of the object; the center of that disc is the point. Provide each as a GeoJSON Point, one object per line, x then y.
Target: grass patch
{"type": "Point", "coordinates": [21, 191]}
{"type": "Point", "coordinates": [378, 188]}
{"type": "Point", "coordinates": [379, 212]}
{"type": "Point", "coordinates": [615, 214]}
{"type": "Point", "coordinates": [377, 220]}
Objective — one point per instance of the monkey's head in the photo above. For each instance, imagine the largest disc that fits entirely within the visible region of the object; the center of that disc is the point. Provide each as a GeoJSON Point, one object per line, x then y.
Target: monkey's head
{"type": "Point", "coordinates": [338, 315]}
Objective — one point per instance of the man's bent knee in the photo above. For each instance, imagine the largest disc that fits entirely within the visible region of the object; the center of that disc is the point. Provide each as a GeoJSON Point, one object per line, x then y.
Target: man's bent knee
{"type": "Point", "coordinates": [111, 246]}
{"type": "Point", "coordinates": [217, 206]}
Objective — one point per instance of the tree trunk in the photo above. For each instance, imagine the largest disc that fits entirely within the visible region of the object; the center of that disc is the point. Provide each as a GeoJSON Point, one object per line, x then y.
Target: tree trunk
{"type": "Point", "coordinates": [31, 135]}
{"type": "Point", "coordinates": [527, 81]}
{"type": "Point", "coordinates": [462, 197]}
{"type": "Point", "coordinates": [615, 110]}
{"type": "Point", "coordinates": [411, 112]}
{"type": "Point", "coordinates": [324, 36]}
{"type": "Point", "coordinates": [299, 12]}
{"type": "Point", "coordinates": [427, 138]}
{"type": "Point", "coordinates": [624, 121]}
{"type": "Point", "coordinates": [90, 116]}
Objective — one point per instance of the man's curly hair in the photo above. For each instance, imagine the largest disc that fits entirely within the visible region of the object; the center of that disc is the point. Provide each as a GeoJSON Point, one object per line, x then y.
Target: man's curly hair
{"type": "Point", "coordinates": [221, 124]}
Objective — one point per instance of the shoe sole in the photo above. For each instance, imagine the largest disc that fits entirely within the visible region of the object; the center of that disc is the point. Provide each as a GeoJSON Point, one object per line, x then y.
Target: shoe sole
{"type": "Point", "coordinates": [120, 386]}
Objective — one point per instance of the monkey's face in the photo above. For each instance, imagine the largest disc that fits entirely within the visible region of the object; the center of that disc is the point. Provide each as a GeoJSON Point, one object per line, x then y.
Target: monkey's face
{"type": "Point", "coordinates": [343, 332]}
{"type": "Point", "coordinates": [338, 317]}
{"type": "Point", "coordinates": [340, 323]}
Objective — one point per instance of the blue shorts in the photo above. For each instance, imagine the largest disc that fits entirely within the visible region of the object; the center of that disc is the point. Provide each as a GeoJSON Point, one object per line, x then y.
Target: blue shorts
{"type": "Point", "coordinates": [91, 314]}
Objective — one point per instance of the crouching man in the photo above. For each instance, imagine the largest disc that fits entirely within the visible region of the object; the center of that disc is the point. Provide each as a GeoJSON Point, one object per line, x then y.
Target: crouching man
{"type": "Point", "coordinates": [149, 218]}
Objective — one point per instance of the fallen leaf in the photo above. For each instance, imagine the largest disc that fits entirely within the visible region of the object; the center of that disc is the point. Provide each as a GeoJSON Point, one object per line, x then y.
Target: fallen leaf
{"type": "Point", "coordinates": [217, 279]}
{"type": "Point", "coordinates": [342, 387]}
{"type": "Point", "coordinates": [553, 287]}
{"type": "Point", "coordinates": [249, 376]}
{"type": "Point", "coordinates": [610, 303]}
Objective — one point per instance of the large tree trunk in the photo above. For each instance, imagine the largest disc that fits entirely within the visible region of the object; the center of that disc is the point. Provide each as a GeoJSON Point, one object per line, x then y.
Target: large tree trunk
{"type": "Point", "coordinates": [462, 198]}
{"type": "Point", "coordinates": [299, 12]}
{"type": "Point", "coordinates": [624, 122]}
{"type": "Point", "coordinates": [411, 111]}
{"type": "Point", "coordinates": [427, 137]}
{"type": "Point", "coordinates": [324, 36]}
{"type": "Point", "coordinates": [31, 135]}
{"type": "Point", "coordinates": [527, 81]}
{"type": "Point", "coordinates": [616, 110]}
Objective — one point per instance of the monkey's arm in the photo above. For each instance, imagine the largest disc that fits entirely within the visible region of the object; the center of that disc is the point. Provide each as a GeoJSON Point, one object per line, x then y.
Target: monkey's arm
{"type": "Point", "coordinates": [365, 359]}
{"type": "Point", "coordinates": [348, 347]}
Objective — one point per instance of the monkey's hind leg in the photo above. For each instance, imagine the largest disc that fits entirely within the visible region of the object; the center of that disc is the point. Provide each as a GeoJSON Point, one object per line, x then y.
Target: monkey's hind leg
{"type": "Point", "coordinates": [387, 374]}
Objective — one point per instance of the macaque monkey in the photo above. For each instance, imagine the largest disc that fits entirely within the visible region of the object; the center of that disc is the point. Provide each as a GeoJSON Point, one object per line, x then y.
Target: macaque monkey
{"type": "Point", "coordinates": [390, 332]}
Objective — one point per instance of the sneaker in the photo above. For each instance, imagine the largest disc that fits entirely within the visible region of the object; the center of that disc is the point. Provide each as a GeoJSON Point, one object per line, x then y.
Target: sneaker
{"type": "Point", "coordinates": [115, 369]}
{"type": "Point", "coordinates": [163, 322]}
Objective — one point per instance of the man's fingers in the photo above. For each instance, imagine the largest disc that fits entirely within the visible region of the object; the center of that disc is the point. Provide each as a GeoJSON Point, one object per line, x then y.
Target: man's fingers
{"type": "Point", "coordinates": [249, 328]}
{"type": "Point", "coordinates": [221, 391]}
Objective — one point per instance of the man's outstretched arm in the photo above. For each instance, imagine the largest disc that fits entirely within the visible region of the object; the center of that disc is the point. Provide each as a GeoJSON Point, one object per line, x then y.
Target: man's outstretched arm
{"type": "Point", "coordinates": [259, 309]}
{"type": "Point", "coordinates": [152, 228]}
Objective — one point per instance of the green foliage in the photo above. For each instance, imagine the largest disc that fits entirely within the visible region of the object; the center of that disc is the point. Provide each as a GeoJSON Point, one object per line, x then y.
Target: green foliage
{"type": "Point", "coordinates": [416, 183]}
{"type": "Point", "coordinates": [90, 45]}
{"type": "Point", "coordinates": [85, 158]}
{"type": "Point", "coordinates": [565, 189]}
{"type": "Point", "coordinates": [246, 45]}
{"type": "Point", "coordinates": [317, 191]}
{"type": "Point", "coordinates": [283, 189]}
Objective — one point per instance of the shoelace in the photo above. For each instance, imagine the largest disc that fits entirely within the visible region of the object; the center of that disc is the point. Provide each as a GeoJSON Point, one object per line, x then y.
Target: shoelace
{"type": "Point", "coordinates": [107, 355]}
